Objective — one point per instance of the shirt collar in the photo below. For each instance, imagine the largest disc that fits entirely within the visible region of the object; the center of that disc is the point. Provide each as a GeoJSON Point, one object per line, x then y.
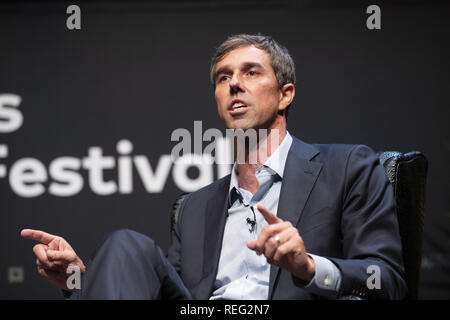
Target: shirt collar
{"type": "Point", "coordinates": [275, 162]}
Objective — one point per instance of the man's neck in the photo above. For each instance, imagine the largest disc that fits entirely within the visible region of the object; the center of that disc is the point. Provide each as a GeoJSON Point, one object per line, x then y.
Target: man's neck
{"type": "Point", "coordinates": [265, 147]}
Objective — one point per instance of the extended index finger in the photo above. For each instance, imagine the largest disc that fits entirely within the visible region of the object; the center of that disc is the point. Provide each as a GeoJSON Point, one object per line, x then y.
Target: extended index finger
{"type": "Point", "coordinates": [269, 216]}
{"type": "Point", "coordinates": [37, 235]}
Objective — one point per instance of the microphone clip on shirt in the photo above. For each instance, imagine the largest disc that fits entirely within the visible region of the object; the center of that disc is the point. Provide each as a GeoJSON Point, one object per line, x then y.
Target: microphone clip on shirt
{"type": "Point", "coordinates": [250, 222]}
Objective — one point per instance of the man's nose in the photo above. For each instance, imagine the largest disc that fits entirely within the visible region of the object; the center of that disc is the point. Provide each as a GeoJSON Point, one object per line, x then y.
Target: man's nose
{"type": "Point", "coordinates": [235, 84]}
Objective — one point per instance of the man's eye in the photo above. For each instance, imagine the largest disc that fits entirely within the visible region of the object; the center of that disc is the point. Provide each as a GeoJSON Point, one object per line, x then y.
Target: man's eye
{"type": "Point", "coordinates": [222, 78]}
{"type": "Point", "coordinates": [252, 73]}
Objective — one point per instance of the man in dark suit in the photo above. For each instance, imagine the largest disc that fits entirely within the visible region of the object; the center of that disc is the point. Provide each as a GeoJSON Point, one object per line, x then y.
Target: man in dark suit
{"type": "Point", "coordinates": [301, 222]}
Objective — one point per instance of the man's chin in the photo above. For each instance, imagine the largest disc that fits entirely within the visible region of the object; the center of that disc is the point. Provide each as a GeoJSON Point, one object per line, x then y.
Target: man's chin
{"type": "Point", "coordinates": [235, 125]}
{"type": "Point", "coordinates": [243, 128]}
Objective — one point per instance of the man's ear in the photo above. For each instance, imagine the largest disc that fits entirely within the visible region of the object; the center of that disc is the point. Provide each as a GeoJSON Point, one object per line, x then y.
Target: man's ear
{"type": "Point", "coordinates": [287, 93]}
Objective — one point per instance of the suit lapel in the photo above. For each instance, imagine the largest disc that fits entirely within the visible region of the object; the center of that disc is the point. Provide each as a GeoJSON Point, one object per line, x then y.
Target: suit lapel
{"type": "Point", "coordinates": [299, 177]}
{"type": "Point", "coordinates": [216, 214]}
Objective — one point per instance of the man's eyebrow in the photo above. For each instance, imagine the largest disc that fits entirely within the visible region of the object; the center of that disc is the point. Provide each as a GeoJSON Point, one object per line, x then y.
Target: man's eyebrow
{"type": "Point", "coordinates": [249, 65]}
{"type": "Point", "coordinates": [224, 69]}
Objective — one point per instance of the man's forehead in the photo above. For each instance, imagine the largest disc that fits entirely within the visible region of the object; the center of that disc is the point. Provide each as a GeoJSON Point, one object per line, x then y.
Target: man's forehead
{"type": "Point", "coordinates": [244, 55]}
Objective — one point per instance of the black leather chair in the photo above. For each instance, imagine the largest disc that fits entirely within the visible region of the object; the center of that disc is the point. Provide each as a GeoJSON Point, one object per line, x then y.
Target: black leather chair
{"type": "Point", "coordinates": [407, 173]}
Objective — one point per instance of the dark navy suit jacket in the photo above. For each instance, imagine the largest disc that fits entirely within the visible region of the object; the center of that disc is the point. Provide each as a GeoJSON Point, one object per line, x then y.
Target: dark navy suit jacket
{"type": "Point", "coordinates": [340, 200]}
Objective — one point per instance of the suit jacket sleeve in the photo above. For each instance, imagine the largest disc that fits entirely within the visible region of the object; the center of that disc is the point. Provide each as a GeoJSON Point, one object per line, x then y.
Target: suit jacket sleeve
{"type": "Point", "coordinates": [370, 233]}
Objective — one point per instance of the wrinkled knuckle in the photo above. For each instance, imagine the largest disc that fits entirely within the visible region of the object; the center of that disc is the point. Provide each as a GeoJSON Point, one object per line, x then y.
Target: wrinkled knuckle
{"type": "Point", "coordinates": [266, 229]}
{"type": "Point", "coordinates": [281, 252]}
{"type": "Point", "coordinates": [276, 255]}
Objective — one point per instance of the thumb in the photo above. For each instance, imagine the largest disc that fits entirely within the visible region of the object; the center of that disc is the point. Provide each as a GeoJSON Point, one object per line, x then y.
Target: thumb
{"type": "Point", "coordinates": [251, 244]}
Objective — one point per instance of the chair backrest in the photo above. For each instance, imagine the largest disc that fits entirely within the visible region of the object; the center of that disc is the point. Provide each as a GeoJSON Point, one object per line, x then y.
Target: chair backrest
{"type": "Point", "coordinates": [407, 173]}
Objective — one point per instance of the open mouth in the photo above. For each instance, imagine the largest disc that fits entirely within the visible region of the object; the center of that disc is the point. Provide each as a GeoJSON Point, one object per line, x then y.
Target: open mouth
{"type": "Point", "coordinates": [237, 107]}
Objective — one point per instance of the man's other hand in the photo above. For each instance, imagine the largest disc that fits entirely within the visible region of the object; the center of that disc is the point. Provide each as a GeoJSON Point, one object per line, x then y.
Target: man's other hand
{"type": "Point", "coordinates": [54, 255]}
